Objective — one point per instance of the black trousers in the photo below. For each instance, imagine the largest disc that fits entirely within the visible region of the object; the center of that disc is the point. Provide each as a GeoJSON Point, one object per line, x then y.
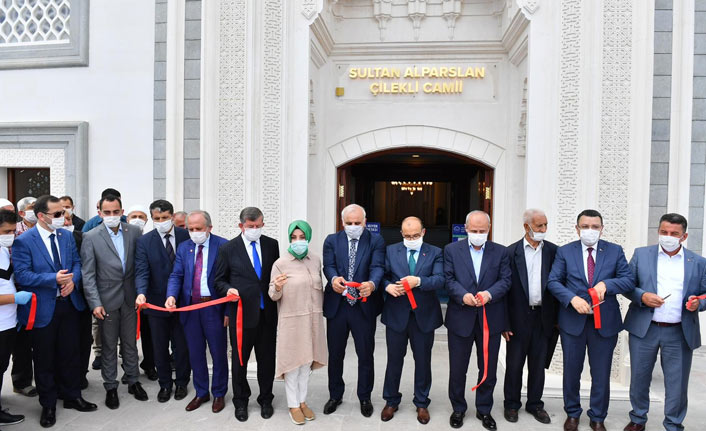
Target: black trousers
{"type": "Point", "coordinates": [22, 360]}
{"type": "Point", "coordinates": [55, 350]}
{"type": "Point", "coordinates": [163, 330]}
{"type": "Point", "coordinates": [7, 342]}
{"type": "Point", "coordinates": [147, 350]}
{"type": "Point", "coordinates": [85, 323]}
{"type": "Point", "coordinates": [263, 339]}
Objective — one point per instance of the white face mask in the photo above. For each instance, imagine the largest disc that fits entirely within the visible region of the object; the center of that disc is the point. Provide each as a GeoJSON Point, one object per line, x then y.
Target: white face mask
{"type": "Point", "coordinates": [198, 237]}
{"type": "Point", "coordinates": [478, 239]}
{"type": "Point", "coordinates": [163, 227]}
{"type": "Point", "coordinates": [589, 237]}
{"type": "Point", "coordinates": [57, 223]}
{"type": "Point", "coordinates": [70, 228]}
{"type": "Point", "coordinates": [138, 222]}
{"type": "Point", "coordinates": [413, 244]}
{"type": "Point", "coordinates": [252, 234]}
{"type": "Point", "coordinates": [7, 240]}
{"type": "Point", "coordinates": [537, 236]}
{"type": "Point", "coordinates": [69, 211]}
{"type": "Point", "coordinates": [111, 221]}
{"type": "Point", "coordinates": [669, 243]}
{"type": "Point", "coordinates": [30, 216]}
{"type": "Point", "coordinates": [354, 231]}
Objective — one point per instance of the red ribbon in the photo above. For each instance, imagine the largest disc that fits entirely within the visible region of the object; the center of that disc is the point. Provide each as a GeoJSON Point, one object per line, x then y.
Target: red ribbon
{"type": "Point", "coordinates": [228, 298]}
{"type": "Point", "coordinates": [32, 313]}
{"type": "Point", "coordinates": [596, 308]}
{"type": "Point", "coordinates": [410, 295]}
{"type": "Point", "coordinates": [486, 338]}
{"type": "Point", "coordinates": [696, 298]}
{"type": "Point", "coordinates": [356, 285]}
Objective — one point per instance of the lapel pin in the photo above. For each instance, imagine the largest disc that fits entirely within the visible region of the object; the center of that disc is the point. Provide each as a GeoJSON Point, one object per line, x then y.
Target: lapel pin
{"type": "Point", "coordinates": [191, 250]}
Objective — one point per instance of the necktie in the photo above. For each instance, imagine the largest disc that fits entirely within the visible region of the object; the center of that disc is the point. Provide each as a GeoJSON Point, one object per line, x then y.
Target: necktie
{"type": "Point", "coordinates": [55, 258]}
{"type": "Point", "coordinates": [198, 270]}
{"type": "Point", "coordinates": [170, 249]}
{"type": "Point", "coordinates": [590, 266]}
{"type": "Point", "coordinates": [258, 269]}
{"type": "Point", "coordinates": [352, 291]}
{"type": "Point", "coordinates": [412, 262]}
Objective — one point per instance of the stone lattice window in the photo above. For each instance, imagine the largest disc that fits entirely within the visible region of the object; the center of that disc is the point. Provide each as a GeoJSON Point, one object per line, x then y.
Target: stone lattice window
{"type": "Point", "coordinates": [34, 21]}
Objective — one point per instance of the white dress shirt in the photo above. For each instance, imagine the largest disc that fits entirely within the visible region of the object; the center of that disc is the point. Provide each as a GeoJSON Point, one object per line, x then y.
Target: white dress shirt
{"type": "Point", "coordinates": [476, 258]}
{"type": "Point", "coordinates": [584, 248]}
{"type": "Point", "coordinates": [172, 240]}
{"type": "Point", "coordinates": [533, 262]}
{"type": "Point", "coordinates": [248, 248]}
{"type": "Point", "coordinates": [44, 234]}
{"type": "Point", "coordinates": [670, 280]}
{"type": "Point", "coordinates": [204, 267]}
{"type": "Point", "coordinates": [8, 312]}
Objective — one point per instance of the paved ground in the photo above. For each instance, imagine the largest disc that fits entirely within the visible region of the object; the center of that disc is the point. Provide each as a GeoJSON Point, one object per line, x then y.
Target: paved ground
{"type": "Point", "coordinates": [135, 415]}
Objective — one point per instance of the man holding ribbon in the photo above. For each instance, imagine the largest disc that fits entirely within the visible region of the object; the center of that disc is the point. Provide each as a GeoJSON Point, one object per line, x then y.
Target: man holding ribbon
{"type": "Point", "coordinates": [586, 277]}
{"type": "Point", "coordinates": [477, 278]}
{"type": "Point", "coordinates": [414, 271]}
{"type": "Point", "coordinates": [663, 318]}
{"type": "Point", "coordinates": [243, 268]}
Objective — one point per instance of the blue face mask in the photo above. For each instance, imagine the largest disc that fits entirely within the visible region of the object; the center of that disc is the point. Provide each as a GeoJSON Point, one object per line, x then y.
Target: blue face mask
{"type": "Point", "coordinates": [299, 248]}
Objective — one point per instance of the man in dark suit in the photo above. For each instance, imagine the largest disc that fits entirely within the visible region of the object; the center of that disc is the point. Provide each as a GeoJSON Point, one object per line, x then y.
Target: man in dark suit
{"type": "Point", "coordinates": [531, 314]}
{"type": "Point", "coordinates": [191, 282]}
{"type": "Point", "coordinates": [352, 255]}
{"type": "Point", "coordinates": [477, 274]}
{"type": "Point", "coordinates": [422, 267]}
{"type": "Point", "coordinates": [243, 268]}
{"type": "Point", "coordinates": [47, 263]}
{"type": "Point", "coordinates": [664, 319]}
{"type": "Point", "coordinates": [68, 204]}
{"type": "Point", "coordinates": [582, 269]}
{"type": "Point", "coordinates": [154, 260]}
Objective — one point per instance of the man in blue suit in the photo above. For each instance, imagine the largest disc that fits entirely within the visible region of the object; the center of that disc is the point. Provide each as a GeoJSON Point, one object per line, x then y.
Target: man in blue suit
{"type": "Point", "coordinates": [477, 273]}
{"type": "Point", "coordinates": [192, 282]}
{"type": "Point", "coordinates": [663, 318]}
{"type": "Point", "coordinates": [154, 259]}
{"type": "Point", "coordinates": [47, 264]}
{"type": "Point", "coordinates": [352, 255]}
{"type": "Point", "coordinates": [422, 267]}
{"type": "Point", "coordinates": [582, 268]}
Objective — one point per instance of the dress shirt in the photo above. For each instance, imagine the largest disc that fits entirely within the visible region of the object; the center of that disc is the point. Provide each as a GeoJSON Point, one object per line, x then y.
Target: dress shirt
{"type": "Point", "coordinates": [44, 234]}
{"type": "Point", "coordinates": [248, 248]}
{"type": "Point", "coordinates": [204, 269]}
{"type": "Point", "coordinates": [416, 255]}
{"type": "Point", "coordinates": [117, 239]}
{"type": "Point", "coordinates": [670, 280]}
{"type": "Point", "coordinates": [8, 312]}
{"type": "Point", "coordinates": [584, 248]}
{"type": "Point", "coordinates": [172, 240]}
{"type": "Point", "coordinates": [476, 258]}
{"type": "Point", "coordinates": [533, 262]}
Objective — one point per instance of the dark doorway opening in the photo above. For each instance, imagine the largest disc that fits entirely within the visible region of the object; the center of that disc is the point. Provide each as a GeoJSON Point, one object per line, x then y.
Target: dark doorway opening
{"type": "Point", "coordinates": [23, 182]}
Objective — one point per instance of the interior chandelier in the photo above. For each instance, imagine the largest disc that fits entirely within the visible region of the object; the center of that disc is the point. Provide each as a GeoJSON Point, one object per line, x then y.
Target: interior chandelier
{"type": "Point", "coordinates": [411, 186]}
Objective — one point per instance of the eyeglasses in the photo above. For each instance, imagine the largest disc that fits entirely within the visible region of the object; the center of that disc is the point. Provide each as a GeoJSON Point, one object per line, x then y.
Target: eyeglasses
{"type": "Point", "coordinates": [412, 237]}
{"type": "Point", "coordinates": [56, 214]}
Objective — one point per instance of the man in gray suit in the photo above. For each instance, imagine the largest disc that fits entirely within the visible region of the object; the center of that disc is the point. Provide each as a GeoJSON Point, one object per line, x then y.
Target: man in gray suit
{"type": "Point", "coordinates": [108, 268]}
{"type": "Point", "coordinates": [663, 317]}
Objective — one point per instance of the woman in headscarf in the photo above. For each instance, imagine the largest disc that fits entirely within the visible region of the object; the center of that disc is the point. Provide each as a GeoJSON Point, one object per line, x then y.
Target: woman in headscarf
{"type": "Point", "coordinates": [301, 340]}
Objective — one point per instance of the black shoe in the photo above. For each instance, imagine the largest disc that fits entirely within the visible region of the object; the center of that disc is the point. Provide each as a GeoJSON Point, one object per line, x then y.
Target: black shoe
{"type": "Point", "coordinates": [7, 418]}
{"type": "Point", "coordinates": [456, 420]}
{"type": "Point", "coordinates": [97, 363]}
{"type": "Point", "coordinates": [48, 418]}
{"type": "Point", "coordinates": [111, 399]}
{"type": "Point", "coordinates": [331, 406]}
{"type": "Point", "coordinates": [241, 413]}
{"type": "Point", "coordinates": [487, 420]}
{"type": "Point", "coordinates": [84, 383]}
{"type": "Point", "coordinates": [180, 393]}
{"type": "Point", "coordinates": [511, 415]}
{"type": "Point", "coordinates": [151, 374]}
{"type": "Point", "coordinates": [136, 390]}
{"type": "Point", "coordinates": [123, 379]}
{"type": "Point", "coordinates": [541, 415]}
{"type": "Point", "coordinates": [80, 404]}
{"type": "Point", "coordinates": [366, 408]}
{"type": "Point", "coordinates": [266, 410]}
{"type": "Point", "coordinates": [164, 395]}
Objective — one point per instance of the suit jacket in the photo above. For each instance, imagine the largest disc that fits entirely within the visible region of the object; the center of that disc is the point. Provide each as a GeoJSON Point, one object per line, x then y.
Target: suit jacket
{"type": "Point", "coordinates": [78, 222]}
{"type": "Point", "coordinates": [644, 269]}
{"type": "Point", "coordinates": [234, 270]}
{"type": "Point", "coordinates": [104, 281]}
{"type": "Point", "coordinates": [430, 269]}
{"type": "Point", "coordinates": [153, 266]}
{"type": "Point", "coordinates": [35, 272]}
{"type": "Point", "coordinates": [568, 279]}
{"type": "Point", "coordinates": [461, 279]}
{"type": "Point", "coordinates": [369, 266]}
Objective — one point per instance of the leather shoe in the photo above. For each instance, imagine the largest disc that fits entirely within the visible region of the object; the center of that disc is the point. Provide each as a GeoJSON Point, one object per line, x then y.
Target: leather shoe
{"type": "Point", "coordinates": [241, 413]}
{"type": "Point", "coordinates": [266, 410]}
{"type": "Point", "coordinates": [196, 403]}
{"type": "Point", "coordinates": [388, 412]}
{"type": "Point", "coordinates": [331, 406]}
{"type": "Point", "coordinates": [597, 426]}
{"type": "Point", "coordinates": [111, 399]}
{"type": "Point", "coordinates": [366, 408]}
{"type": "Point", "coordinates": [7, 418]}
{"type": "Point", "coordinates": [180, 393]}
{"type": "Point", "coordinates": [423, 415]}
{"type": "Point", "coordinates": [218, 404]}
{"type": "Point", "coordinates": [541, 415]}
{"type": "Point", "coordinates": [511, 415]}
{"type": "Point", "coordinates": [136, 390]}
{"type": "Point", "coordinates": [456, 419]}
{"type": "Point", "coordinates": [151, 374]}
{"type": "Point", "coordinates": [84, 383]}
{"type": "Point", "coordinates": [487, 421]}
{"type": "Point", "coordinates": [48, 418]}
{"type": "Point", "coordinates": [632, 426]}
{"type": "Point", "coordinates": [571, 424]}
{"type": "Point", "coordinates": [97, 363]}
{"type": "Point", "coordinates": [80, 404]}
{"type": "Point", "coordinates": [164, 395]}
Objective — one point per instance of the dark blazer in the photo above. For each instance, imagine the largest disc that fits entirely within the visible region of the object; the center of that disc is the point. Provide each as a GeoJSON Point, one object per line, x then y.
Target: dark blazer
{"type": "Point", "coordinates": [461, 279]}
{"type": "Point", "coordinates": [78, 222]}
{"type": "Point", "coordinates": [644, 269]}
{"type": "Point", "coordinates": [430, 269]}
{"type": "Point", "coordinates": [34, 272]}
{"type": "Point", "coordinates": [234, 270]}
{"type": "Point", "coordinates": [181, 279]}
{"type": "Point", "coordinates": [152, 267]}
{"type": "Point", "coordinates": [369, 266]}
{"type": "Point", "coordinates": [568, 279]}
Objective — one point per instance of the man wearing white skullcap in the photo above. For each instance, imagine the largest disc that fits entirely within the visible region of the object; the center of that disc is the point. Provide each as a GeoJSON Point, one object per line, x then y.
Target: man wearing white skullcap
{"type": "Point", "coordinates": [6, 205]}
{"type": "Point", "coordinates": [137, 215]}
